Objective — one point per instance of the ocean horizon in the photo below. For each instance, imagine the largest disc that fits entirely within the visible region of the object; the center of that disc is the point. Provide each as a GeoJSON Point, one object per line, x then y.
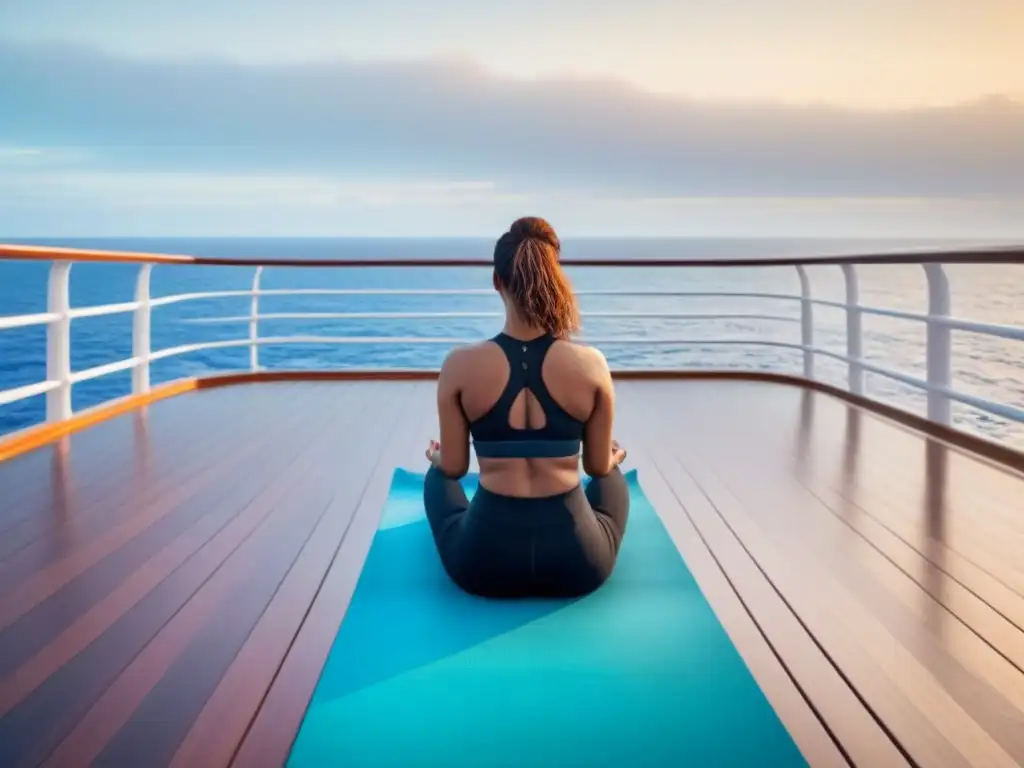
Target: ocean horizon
{"type": "Point", "coordinates": [983, 366]}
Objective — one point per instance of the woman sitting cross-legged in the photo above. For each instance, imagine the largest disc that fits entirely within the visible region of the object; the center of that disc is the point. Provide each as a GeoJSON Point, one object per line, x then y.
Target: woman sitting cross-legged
{"type": "Point", "coordinates": [531, 400]}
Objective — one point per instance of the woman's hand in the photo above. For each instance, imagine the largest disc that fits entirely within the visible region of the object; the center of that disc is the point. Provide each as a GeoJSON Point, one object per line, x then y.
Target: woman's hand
{"type": "Point", "coordinates": [618, 453]}
{"type": "Point", "coordinates": [434, 453]}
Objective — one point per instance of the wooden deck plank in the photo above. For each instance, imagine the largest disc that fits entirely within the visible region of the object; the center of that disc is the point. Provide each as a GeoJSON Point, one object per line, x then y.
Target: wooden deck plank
{"type": "Point", "coordinates": [95, 612]}
{"type": "Point", "coordinates": [85, 466]}
{"type": "Point", "coordinates": [124, 624]}
{"type": "Point", "coordinates": [773, 645]}
{"type": "Point", "coordinates": [243, 574]}
{"type": "Point", "coordinates": [968, 695]}
{"type": "Point", "coordinates": [824, 610]}
{"type": "Point", "coordinates": [149, 708]}
{"type": "Point", "coordinates": [94, 509]}
{"type": "Point", "coordinates": [913, 481]}
{"type": "Point", "coordinates": [22, 499]}
{"type": "Point", "coordinates": [962, 666]}
{"type": "Point", "coordinates": [83, 516]}
{"type": "Point", "coordinates": [981, 603]}
{"type": "Point", "coordinates": [182, 594]}
{"type": "Point", "coordinates": [825, 694]}
{"type": "Point", "coordinates": [269, 738]}
{"type": "Point", "coordinates": [911, 506]}
{"type": "Point", "coordinates": [158, 508]}
{"type": "Point", "coordinates": [147, 711]}
{"type": "Point", "coordinates": [100, 524]}
{"type": "Point", "coordinates": [194, 518]}
{"type": "Point", "coordinates": [228, 713]}
{"type": "Point", "coordinates": [985, 606]}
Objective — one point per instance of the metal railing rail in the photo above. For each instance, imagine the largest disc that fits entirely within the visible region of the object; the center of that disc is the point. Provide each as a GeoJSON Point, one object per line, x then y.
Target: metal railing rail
{"type": "Point", "coordinates": [937, 386]}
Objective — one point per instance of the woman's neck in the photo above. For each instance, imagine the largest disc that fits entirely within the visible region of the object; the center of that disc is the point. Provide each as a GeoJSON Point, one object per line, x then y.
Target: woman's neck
{"type": "Point", "coordinates": [517, 329]}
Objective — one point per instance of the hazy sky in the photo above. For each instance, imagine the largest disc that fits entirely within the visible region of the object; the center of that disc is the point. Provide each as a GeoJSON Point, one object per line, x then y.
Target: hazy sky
{"type": "Point", "coordinates": [873, 117]}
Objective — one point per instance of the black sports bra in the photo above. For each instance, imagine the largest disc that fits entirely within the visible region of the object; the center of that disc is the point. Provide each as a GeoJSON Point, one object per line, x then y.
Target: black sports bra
{"type": "Point", "coordinates": [561, 434]}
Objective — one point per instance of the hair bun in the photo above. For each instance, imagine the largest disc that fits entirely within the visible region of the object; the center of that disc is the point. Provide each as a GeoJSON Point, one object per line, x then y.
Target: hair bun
{"type": "Point", "coordinates": [534, 228]}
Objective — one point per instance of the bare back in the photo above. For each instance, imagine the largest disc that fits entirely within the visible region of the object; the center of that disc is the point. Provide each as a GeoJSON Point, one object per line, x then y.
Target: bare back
{"type": "Point", "coordinates": [576, 378]}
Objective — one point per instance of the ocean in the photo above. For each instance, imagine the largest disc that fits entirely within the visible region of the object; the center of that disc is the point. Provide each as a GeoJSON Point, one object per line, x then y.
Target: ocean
{"type": "Point", "coordinates": [983, 366]}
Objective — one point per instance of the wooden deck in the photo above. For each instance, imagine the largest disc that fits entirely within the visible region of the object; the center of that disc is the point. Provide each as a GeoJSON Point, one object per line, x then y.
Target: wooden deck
{"type": "Point", "coordinates": [172, 580]}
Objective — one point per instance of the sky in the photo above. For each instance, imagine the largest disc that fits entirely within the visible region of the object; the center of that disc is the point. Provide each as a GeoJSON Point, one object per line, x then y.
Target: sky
{"type": "Point", "coordinates": [400, 117]}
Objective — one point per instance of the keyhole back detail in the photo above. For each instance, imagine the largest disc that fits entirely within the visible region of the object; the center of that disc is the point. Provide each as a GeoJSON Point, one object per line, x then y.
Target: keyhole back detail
{"type": "Point", "coordinates": [526, 412]}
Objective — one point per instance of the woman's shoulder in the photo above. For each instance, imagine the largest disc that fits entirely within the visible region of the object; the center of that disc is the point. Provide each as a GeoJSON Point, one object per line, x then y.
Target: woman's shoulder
{"type": "Point", "coordinates": [464, 355]}
{"type": "Point", "coordinates": [581, 350]}
{"type": "Point", "coordinates": [581, 356]}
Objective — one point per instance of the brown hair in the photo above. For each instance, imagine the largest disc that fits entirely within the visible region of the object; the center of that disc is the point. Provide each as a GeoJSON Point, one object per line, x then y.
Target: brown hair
{"type": "Point", "coordinates": [526, 265]}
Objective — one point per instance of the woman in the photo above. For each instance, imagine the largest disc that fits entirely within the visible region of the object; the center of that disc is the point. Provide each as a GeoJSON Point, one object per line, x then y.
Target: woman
{"type": "Point", "coordinates": [530, 399]}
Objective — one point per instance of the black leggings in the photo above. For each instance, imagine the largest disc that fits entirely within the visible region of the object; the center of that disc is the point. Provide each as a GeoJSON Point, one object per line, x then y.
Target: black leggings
{"type": "Point", "coordinates": [503, 546]}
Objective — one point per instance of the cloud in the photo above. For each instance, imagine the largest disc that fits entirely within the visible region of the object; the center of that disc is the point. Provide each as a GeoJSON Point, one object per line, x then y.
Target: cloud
{"type": "Point", "coordinates": [452, 121]}
{"type": "Point", "coordinates": [132, 190]}
{"type": "Point", "coordinates": [36, 158]}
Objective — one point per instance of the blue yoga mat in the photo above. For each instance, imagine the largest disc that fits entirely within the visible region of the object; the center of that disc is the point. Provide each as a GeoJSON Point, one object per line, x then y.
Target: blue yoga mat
{"type": "Point", "coordinates": [640, 673]}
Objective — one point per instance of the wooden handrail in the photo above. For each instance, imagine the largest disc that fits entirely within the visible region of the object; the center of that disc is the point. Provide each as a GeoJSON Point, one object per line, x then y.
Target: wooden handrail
{"type": "Point", "coordinates": [995, 255]}
{"type": "Point", "coordinates": [49, 253]}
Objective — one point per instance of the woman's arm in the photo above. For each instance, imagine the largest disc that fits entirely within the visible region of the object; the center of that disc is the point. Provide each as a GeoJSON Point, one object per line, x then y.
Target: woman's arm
{"type": "Point", "coordinates": [598, 456]}
{"type": "Point", "coordinates": [454, 455]}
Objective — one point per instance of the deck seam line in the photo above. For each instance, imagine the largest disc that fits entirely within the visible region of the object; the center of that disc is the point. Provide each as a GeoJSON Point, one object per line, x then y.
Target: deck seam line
{"type": "Point", "coordinates": [676, 459]}
{"type": "Point", "coordinates": [318, 439]}
{"type": "Point", "coordinates": [966, 558]}
{"type": "Point", "coordinates": [291, 642]}
{"type": "Point", "coordinates": [79, 436]}
{"type": "Point", "coordinates": [926, 438]}
{"type": "Point", "coordinates": [116, 734]}
{"type": "Point", "coordinates": [931, 597]}
{"type": "Point", "coordinates": [959, 554]}
{"type": "Point", "coordinates": [849, 683]}
{"type": "Point", "coordinates": [198, 484]}
{"type": "Point", "coordinates": [100, 694]}
{"type": "Point", "coordinates": [658, 434]}
{"type": "Point", "coordinates": [214, 534]}
{"type": "Point", "coordinates": [880, 521]}
{"type": "Point", "coordinates": [915, 552]}
{"type": "Point", "coordinates": [109, 471]}
{"type": "Point", "coordinates": [112, 503]}
{"type": "Point", "coordinates": [410, 400]}
{"type": "Point", "coordinates": [757, 624]}
{"type": "Point", "coordinates": [729, 484]}
{"type": "Point", "coordinates": [252, 720]}
{"type": "Point", "coordinates": [103, 500]}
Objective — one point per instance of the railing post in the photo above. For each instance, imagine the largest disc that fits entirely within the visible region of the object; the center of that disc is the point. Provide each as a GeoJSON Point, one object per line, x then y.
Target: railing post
{"type": "Point", "coordinates": [58, 342]}
{"type": "Point", "coordinates": [854, 336]}
{"type": "Point", "coordinates": [254, 322]}
{"type": "Point", "coordinates": [141, 344]}
{"type": "Point", "coordinates": [940, 343]}
{"type": "Point", "coordinates": [806, 322]}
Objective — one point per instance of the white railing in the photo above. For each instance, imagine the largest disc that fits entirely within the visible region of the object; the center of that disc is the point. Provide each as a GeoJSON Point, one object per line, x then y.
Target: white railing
{"type": "Point", "coordinates": [937, 386]}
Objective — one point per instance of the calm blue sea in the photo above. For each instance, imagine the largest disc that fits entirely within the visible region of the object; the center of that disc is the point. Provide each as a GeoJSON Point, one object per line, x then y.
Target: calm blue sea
{"type": "Point", "coordinates": [985, 367]}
